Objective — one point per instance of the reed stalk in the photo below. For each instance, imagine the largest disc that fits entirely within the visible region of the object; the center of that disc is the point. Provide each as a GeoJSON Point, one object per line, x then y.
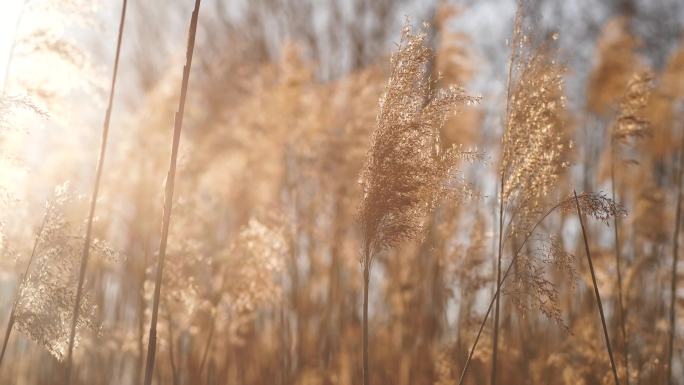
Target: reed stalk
{"type": "Point", "coordinates": [168, 197]}
{"type": "Point", "coordinates": [596, 290]}
{"type": "Point", "coordinates": [93, 200]}
{"type": "Point", "coordinates": [618, 258]}
{"type": "Point", "coordinates": [675, 258]}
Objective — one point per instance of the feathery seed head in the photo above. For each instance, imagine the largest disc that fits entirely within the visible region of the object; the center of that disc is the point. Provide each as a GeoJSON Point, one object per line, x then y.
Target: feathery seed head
{"type": "Point", "coordinates": [534, 144]}
{"type": "Point", "coordinates": [596, 205]}
{"type": "Point", "coordinates": [406, 168]}
{"type": "Point", "coordinates": [44, 309]}
{"type": "Point", "coordinates": [629, 123]}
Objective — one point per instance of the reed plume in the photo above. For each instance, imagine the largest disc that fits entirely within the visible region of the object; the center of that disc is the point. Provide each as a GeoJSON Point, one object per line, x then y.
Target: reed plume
{"type": "Point", "coordinates": [630, 122]}
{"type": "Point", "coordinates": [533, 155]}
{"type": "Point", "coordinates": [406, 170]}
{"type": "Point", "coordinates": [44, 305]}
{"type": "Point", "coordinates": [11, 106]}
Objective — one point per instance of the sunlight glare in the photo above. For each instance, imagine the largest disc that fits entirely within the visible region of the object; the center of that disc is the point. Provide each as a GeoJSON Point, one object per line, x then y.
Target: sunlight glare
{"type": "Point", "coordinates": [9, 12]}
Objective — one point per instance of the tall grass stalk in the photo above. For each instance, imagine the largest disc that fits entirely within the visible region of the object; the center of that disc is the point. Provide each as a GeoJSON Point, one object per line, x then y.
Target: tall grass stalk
{"type": "Point", "coordinates": [516, 33]}
{"type": "Point", "coordinates": [495, 343]}
{"type": "Point", "coordinates": [366, 281]}
{"type": "Point", "coordinates": [596, 290]}
{"type": "Point", "coordinates": [618, 257]}
{"type": "Point", "coordinates": [407, 169]}
{"type": "Point", "coordinates": [168, 197]}
{"type": "Point", "coordinates": [675, 258]}
{"type": "Point", "coordinates": [93, 199]}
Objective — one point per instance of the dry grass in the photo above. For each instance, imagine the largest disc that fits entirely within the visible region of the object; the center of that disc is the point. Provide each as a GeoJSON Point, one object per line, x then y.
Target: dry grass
{"type": "Point", "coordinates": [300, 168]}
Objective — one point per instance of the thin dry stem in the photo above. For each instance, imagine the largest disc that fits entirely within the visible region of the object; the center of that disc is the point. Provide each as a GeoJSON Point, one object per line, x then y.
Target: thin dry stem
{"type": "Point", "coordinates": [596, 290]}
{"type": "Point", "coordinates": [93, 199]}
{"type": "Point", "coordinates": [675, 259]}
{"type": "Point", "coordinates": [168, 197]}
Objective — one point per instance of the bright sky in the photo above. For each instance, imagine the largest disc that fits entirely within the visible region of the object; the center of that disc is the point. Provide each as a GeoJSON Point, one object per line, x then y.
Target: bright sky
{"type": "Point", "coordinates": [9, 12]}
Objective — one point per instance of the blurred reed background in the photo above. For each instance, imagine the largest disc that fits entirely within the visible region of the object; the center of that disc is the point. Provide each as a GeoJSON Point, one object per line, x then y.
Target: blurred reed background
{"type": "Point", "coordinates": [337, 157]}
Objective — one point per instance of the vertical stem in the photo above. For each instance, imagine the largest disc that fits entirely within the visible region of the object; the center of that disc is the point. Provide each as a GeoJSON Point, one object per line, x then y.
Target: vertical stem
{"type": "Point", "coordinates": [366, 281]}
{"type": "Point", "coordinates": [515, 36]}
{"type": "Point", "coordinates": [284, 348]}
{"type": "Point", "coordinates": [141, 313]}
{"type": "Point", "coordinates": [168, 197]}
{"type": "Point", "coordinates": [495, 344]}
{"type": "Point", "coordinates": [93, 198]}
{"type": "Point", "coordinates": [618, 257]}
{"type": "Point", "coordinates": [675, 257]}
{"type": "Point", "coordinates": [206, 348]}
{"type": "Point", "coordinates": [10, 322]}
{"type": "Point", "coordinates": [596, 290]}
{"type": "Point", "coordinates": [10, 56]}
{"type": "Point", "coordinates": [172, 359]}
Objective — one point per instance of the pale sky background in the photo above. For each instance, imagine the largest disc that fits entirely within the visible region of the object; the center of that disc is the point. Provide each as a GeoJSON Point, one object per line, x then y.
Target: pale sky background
{"type": "Point", "coordinates": [9, 12]}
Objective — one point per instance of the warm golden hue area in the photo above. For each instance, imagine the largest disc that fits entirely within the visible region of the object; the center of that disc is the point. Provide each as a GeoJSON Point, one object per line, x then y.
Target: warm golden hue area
{"type": "Point", "coordinates": [341, 192]}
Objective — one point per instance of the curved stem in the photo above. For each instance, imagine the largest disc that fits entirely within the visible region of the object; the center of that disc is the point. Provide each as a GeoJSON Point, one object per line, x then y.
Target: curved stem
{"type": "Point", "coordinates": [498, 289]}
{"type": "Point", "coordinates": [596, 291]}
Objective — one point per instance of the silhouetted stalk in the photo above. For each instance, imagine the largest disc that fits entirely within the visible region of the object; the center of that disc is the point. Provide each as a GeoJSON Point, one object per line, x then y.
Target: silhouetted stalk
{"type": "Point", "coordinates": [498, 289]}
{"type": "Point", "coordinates": [168, 196]}
{"type": "Point", "coordinates": [93, 198]}
{"type": "Point", "coordinates": [366, 281]}
{"type": "Point", "coordinates": [141, 314]}
{"type": "Point", "coordinates": [675, 258]}
{"type": "Point", "coordinates": [495, 344]}
{"type": "Point", "coordinates": [12, 317]}
{"type": "Point", "coordinates": [596, 291]}
{"type": "Point", "coordinates": [618, 257]}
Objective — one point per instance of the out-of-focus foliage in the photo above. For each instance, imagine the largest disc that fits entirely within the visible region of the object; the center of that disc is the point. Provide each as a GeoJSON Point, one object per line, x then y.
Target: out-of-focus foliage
{"type": "Point", "coordinates": [300, 112]}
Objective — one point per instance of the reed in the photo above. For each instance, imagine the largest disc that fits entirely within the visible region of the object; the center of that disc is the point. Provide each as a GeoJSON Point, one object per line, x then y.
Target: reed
{"type": "Point", "coordinates": [675, 259]}
{"type": "Point", "coordinates": [599, 304]}
{"type": "Point", "coordinates": [168, 196]}
{"type": "Point", "coordinates": [93, 199]}
{"type": "Point", "coordinates": [406, 170]}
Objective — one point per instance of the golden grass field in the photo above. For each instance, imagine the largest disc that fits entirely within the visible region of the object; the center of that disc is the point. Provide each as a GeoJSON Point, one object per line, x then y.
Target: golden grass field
{"type": "Point", "coordinates": [301, 192]}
